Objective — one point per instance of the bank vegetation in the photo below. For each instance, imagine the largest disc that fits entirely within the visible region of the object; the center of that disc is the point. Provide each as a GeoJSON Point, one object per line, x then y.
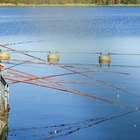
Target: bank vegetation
{"type": "Point", "coordinates": [70, 2]}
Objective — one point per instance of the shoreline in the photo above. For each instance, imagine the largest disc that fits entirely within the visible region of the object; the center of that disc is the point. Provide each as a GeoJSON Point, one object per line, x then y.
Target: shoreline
{"type": "Point", "coordinates": [63, 5]}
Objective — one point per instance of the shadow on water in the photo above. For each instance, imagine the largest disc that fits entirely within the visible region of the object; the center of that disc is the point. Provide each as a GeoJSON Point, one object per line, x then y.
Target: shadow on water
{"type": "Point", "coordinates": [55, 131]}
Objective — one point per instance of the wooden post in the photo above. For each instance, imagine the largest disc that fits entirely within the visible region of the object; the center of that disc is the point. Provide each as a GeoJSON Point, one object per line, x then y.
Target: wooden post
{"type": "Point", "coordinates": [6, 98]}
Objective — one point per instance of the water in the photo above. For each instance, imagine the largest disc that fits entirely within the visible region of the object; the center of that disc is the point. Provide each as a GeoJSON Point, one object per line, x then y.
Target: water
{"type": "Point", "coordinates": [75, 29]}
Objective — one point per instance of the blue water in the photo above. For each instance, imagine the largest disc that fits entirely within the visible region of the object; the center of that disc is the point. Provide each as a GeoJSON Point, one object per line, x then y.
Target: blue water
{"type": "Point", "coordinates": [68, 21]}
{"type": "Point", "coordinates": [81, 30]}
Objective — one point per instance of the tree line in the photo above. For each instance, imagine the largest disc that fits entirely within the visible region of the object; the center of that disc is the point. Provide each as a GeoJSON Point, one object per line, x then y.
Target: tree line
{"type": "Point", "coordinates": [97, 2]}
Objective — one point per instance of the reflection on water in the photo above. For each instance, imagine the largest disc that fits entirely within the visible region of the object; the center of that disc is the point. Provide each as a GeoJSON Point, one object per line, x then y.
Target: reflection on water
{"type": "Point", "coordinates": [56, 131]}
{"type": "Point", "coordinates": [106, 98]}
{"type": "Point", "coordinates": [41, 99]}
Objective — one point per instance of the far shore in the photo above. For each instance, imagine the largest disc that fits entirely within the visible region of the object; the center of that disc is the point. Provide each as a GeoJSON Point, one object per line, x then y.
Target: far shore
{"type": "Point", "coordinates": [61, 5]}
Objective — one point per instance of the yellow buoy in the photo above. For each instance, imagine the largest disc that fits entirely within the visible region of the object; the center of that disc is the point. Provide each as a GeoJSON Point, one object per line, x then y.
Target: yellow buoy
{"type": "Point", "coordinates": [5, 56]}
{"type": "Point", "coordinates": [53, 58]}
{"type": "Point", "coordinates": [104, 59]}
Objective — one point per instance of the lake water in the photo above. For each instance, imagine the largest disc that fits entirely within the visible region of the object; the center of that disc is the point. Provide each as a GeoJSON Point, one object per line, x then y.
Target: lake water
{"type": "Point", "coordinates": [77, 33]}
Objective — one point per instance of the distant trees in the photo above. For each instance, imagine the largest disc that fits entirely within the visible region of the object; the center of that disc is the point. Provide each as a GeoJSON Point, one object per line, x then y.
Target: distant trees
{"type": "Point", "coordinates": [98, 2]}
